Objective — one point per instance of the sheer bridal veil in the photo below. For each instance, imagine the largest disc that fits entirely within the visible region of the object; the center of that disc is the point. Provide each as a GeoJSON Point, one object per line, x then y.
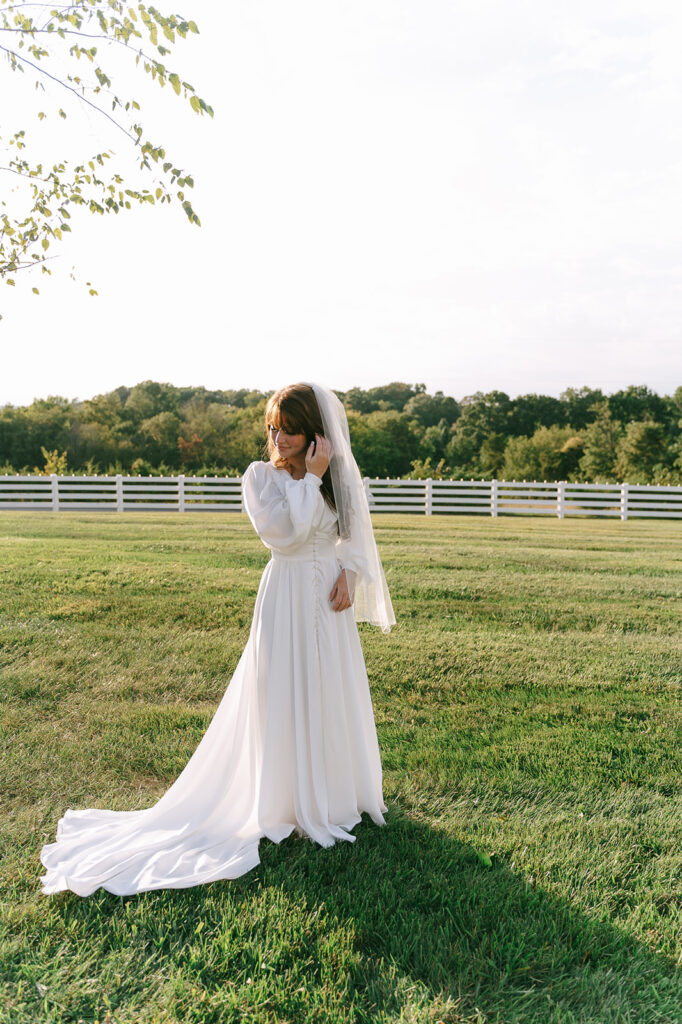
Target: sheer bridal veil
{"type": "Point", "coordinates": [372, 601]}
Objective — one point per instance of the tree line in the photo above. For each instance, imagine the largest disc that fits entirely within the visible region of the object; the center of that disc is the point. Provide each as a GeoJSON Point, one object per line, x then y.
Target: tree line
{"type": "Point", "coordinates": [397, 430]}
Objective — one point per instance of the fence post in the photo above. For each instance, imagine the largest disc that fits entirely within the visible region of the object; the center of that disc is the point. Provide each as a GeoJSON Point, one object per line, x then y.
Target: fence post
{"type": "Point", "coordinates": [429, 495]}
{"type": "Point", "coordinates": [181, 492]}
{"type": "Point", "coordinates": [623, 501]}
{"type": "Point", "coordinates": [560, 498]}
{"type": "Point", "coordinates": [493, 498]}
{"type": "Point", "coordinates": [119, 492]}
{"type": "Point", "coordinates": [54, 484]}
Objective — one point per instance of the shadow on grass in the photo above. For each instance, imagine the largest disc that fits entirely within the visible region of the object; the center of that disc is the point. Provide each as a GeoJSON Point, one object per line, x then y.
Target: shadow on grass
{"type": "Point", "coordinates": [434, 935]}
{"type": "Point", "coordinates": [423, 902]}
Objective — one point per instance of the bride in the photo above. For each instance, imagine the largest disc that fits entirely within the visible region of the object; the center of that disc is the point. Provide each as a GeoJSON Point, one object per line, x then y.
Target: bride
{"type": "Point", "coordinates": [293, 744]}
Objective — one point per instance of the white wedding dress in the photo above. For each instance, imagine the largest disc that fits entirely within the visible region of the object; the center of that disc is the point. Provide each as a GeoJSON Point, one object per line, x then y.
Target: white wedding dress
{"type": "Point", "coordinates": [292, 744]}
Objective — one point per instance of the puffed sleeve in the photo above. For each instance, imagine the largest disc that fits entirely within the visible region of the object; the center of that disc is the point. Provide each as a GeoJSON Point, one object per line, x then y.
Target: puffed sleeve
{"type": "Point", "coordinates": [282, 519]}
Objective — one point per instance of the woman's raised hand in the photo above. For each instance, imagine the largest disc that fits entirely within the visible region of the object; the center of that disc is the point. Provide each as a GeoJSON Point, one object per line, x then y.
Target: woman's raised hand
{"type": "Point", "coordinates": [318, 462]}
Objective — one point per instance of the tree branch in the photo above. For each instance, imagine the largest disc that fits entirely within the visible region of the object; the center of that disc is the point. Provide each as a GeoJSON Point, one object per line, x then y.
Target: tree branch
{"type": "Point", "coordinates": [52, 7]}
{"type": "Point", "coordinates": [70, 88]}
{"type": "Point", "coordinates": [85, 35]}
{"type": "Point", "coordinates": [60, 32]}
{"type": "Point", "coordinates": [27, 264]}
{"type": "Point", "coordinates": [24, 174]}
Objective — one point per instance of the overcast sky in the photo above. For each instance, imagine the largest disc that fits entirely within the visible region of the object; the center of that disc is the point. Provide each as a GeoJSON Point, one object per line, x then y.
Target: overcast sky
{"type": "Point", "coordinates": [471, 195]}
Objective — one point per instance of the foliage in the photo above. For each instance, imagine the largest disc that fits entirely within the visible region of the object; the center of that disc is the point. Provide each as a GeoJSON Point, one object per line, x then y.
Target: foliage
{"type": "Point", "coordinates": [601, 438]}
{"type": "Point", "coordinates": [638, 403]}
{"type": "Point", "coordinates": [552, 453]}
{"type": "Point", "coordinates": [642, 451]}
{"type": "Point", "coordinates": [481, 416]}
{"type": "Point", "coordinates": [68, 52]}
{"type": "Point", "coordinates": [395, 395]}
{"type": "Point", "coordinates": [432, 410]}
{"type": "Point", "coordinates": [579, 405]}
{"type": "Point", "coordinates": [383, 443]}
{"type": "Point", "coordinates": [532, 411]}
{"type": "Point", "coordinates": [491, 455]}
{"type": "Point", "coordinates": [423, 470]}
{"type": "Point", "coordinates": [141, 467]}
{"type": "Point", "coordinates": [54, 462]}
{"type": "Point", "coordinates": [198, 431]}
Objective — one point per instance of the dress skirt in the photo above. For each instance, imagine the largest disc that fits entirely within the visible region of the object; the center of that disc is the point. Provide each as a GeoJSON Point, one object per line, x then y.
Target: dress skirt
{"type": "Point", "coordinates": [292, 745]}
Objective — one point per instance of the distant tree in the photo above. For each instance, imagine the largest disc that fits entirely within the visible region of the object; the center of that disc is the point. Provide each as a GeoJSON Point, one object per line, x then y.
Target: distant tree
{"type": "Point", "coordinates": [141, 467]}
{"type": "Point", "coordinates": [256, 399]}
{"type": "Point", "coordinates": [359, 401]}
{"type": "Point", "coordinates": [237, 397]}
{"type": "Point", "coordinates": [676, 400]}
{"type": "Point", "coordinates": [481, 416]}
{"type": "Point", "coordinates": [422, 470]}
{"type": "Point", "coordinates": [369, 444]}
{"type": "Point", "coordinates": [211, 422]}
{"type": "Point", "coordinates": [54, 462]}
{"type": "Point", "coordinates": [600, 445]}
{"type": "Point", "coordinates": [161, 435]}
{"type": "Point", "coordinates": [395, 395]}
{"type": "Point", "coordinates": [671, 416]}
{"type": "Point", "coordinates": [382, 443]}
{"type": "Point", "coordinates": [429, 410]}
{"type": "Point", "coordinates": [105, 410]}
{"type": "Point", "coordinates": [46, 423]}
{"type": "Point", "coordinates": [149, 398]}
{"type": "Point", "coordinates": [637, 403]}
{"type": "Point", "coordinates": [491, 455]}
{"type": "Point", "coordinates": [164, 427]}
{"type": "Point", "coordinates": [641, 451]}
{"type": "Point", "coordinates": [527, 412]}
{"type": "Point", "coordinates": [578, 405]}
{"type": "Point", "coordinates": [191, 450]}
{"type": "Point", "coordinates": [433, 440]}
{"type": "Point", "coordinates": [551, 453]}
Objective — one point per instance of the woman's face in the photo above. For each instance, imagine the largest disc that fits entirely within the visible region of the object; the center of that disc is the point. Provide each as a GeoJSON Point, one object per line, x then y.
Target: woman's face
{"type": "Point", "coordinates": [288, 445]}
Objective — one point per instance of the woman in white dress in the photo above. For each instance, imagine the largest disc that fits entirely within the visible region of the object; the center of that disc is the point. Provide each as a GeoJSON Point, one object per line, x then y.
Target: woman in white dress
{"type": "Point", "coordinates": [292, 745]}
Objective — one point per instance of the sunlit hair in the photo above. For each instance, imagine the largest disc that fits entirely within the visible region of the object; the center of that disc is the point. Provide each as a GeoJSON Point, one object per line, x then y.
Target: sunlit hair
{"type": "Point", "coordinates": [294, 410]}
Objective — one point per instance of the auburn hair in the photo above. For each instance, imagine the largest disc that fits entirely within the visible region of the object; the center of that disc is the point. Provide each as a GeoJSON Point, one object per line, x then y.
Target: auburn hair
{"type": "Point", "coordinates": [294, 410]}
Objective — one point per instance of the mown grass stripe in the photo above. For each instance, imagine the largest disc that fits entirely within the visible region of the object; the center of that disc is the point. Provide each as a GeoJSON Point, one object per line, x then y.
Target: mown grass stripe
{"type": "Point", "coordinates": [529, 709]}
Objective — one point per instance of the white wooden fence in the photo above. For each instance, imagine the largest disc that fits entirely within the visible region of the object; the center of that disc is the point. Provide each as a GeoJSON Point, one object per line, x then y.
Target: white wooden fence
{"type": "Point", "coordinates": [214, 493]}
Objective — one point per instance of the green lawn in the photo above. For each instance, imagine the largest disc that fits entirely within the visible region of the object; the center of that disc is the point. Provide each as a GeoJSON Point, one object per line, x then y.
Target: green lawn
{"type": "Point", "coordinates": [529, 709]}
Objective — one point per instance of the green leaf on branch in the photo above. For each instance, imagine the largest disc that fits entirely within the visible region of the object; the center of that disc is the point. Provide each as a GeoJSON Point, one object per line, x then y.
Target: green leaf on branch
{"type": "Point", "coordinates": [53, 188]}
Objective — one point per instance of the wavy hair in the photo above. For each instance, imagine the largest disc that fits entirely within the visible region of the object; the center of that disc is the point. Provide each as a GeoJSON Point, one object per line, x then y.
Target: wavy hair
{"type": "Point", "coordinates": [294, 409]}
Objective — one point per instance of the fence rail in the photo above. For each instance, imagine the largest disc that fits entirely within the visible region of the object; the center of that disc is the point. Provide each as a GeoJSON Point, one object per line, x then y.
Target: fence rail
{"type": "Point", "coordinates": [214, 493]}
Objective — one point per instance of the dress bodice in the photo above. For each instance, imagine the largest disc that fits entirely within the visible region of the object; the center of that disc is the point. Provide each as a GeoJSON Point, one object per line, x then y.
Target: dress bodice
{"type": "Point", "coordinates": [292, 518]}
{"type": "Point", "coordinates": [324, 522]}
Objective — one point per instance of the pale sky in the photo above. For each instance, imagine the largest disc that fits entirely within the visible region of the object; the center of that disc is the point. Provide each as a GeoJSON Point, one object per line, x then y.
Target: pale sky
{"type": "Point", "coordinates": [471, 195]}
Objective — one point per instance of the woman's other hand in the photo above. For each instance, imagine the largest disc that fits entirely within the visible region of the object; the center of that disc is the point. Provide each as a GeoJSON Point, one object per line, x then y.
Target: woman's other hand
{"type": "Point", "coordinates": [318, 462]}
{"type": "Point", "coordinates": [339, 597]}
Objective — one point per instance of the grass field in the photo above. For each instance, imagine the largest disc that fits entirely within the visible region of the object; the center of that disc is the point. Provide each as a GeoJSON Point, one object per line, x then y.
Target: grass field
{"type": "Point", "coordinates": [529, 710]}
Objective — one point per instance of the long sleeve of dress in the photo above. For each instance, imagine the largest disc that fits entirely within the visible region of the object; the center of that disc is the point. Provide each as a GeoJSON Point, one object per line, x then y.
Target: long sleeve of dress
{"type": "Point", "coordinates": [351, 557]}
{"type": "Point", "coordinates": [281, 520]}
